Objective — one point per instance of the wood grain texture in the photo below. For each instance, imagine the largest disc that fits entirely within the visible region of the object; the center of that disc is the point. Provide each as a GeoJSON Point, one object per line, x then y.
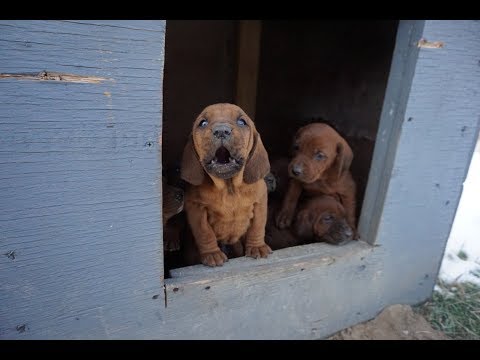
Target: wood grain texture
{"type": "Point", "coordinates": [297, 293]}
{"type": "Point", "coordinates": [80, 169]}
{"type": "Point", "coordinates": [54, 76]}
{"type": "Point", "coordinates": [435, 145]}
{"type": "Point", "coordinates": [393, 113]}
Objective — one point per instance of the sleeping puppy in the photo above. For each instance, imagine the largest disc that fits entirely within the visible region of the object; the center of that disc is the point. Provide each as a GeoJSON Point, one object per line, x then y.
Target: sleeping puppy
{"type": "Point", "coordinates": [224, 162]}
{"type": "Point", "coordinates": [322, 219]}
{"type": "Point", "coordinates": [320, 166]}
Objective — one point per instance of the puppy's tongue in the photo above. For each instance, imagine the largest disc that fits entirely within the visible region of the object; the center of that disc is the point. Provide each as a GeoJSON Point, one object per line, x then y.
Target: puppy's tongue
{"type": "Point", "coordinates": [222, 155]}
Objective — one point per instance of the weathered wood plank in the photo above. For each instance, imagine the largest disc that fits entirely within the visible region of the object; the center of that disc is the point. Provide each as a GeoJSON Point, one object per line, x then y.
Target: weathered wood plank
{"type": "Point", "coordinates": [299, 293]}
{"type": "Point", "coordinates": [298, 257]}
{"type": "Point", "coordinates": [435, 144]}
{"type": "Point", "coordinates": [54, 47]}
{"type": "Point", "coordinates": [80, 167]}
{"type": "Point", "coordinates": [53, 76]}
{"type": "Point", "coordinates": [404, 61]}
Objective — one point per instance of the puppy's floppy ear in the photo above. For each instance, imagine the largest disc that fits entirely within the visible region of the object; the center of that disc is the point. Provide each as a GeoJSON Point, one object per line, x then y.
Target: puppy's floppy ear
{"type": "Point", "coordinates": [342, 161]}
{"type": "Point", "coordinates": [295, 139]}
{"type": "Point", "coordinates": [258, 165]}
{"type": "Point", "coordinates": [191, 169]}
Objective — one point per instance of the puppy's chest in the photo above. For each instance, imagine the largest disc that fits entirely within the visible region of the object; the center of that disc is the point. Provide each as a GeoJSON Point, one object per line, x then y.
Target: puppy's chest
{"type": "Point", "coordinates": [320, 187]}
{"type": "Point", "coordinates": [225, 206]}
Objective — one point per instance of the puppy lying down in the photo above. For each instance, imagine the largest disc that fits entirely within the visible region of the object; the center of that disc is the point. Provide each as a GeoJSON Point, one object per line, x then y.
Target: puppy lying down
{"type": "Point", "coordinates": [318, 219]}
{"type": "Point", "coordinates": [322, 219]}
{"type": "Point", "coordinates": [224, 163]}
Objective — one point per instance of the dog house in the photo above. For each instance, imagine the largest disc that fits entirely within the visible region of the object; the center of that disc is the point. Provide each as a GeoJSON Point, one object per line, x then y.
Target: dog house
{"type": "Point", "coordinates": [91, 110]}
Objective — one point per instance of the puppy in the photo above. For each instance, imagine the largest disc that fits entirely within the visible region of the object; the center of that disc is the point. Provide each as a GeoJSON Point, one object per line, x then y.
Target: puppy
{"type": "Point", "coordinates": [322, 219]}
{"type": "Point", "coordinates": [172, 205]}
{"type": "Point", "coordinates": [279, 173]}
{"type": "Point", "coordinates": [274, 237]}
{"type": "Point", "coordinates": [172, 200]}
{"type": "Point", "coordinates": [320, 166]}
{"type": "Point", "coordinates": [224, 162]}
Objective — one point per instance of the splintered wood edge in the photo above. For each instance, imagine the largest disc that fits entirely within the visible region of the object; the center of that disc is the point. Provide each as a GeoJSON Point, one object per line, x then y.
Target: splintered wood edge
{"type": "Point", "coordinates": [423, 43]}
{"type": "Point", "coordinates": [54, 76]}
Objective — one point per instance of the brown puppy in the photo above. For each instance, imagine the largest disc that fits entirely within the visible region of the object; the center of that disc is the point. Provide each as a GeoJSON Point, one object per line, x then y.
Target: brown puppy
{"type": "Point", "coordinates": [320, 166]}
{"type": "Point", "coordinates": [172, 205]}
{"type": "Point", "coordinates": [172, 200]}
{"type": "Point", "coordinates": [225, 163]}
{"type": "Point", "coordinates": [322, 218]}
{"type": "Point", "coordinates": [279, 172]}
{"type": "Point", "coordinates": [274, 237]}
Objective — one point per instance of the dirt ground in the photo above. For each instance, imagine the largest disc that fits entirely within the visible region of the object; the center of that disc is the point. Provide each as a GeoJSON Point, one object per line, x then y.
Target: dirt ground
{"type": "Point", "coordinates": [396, 322]}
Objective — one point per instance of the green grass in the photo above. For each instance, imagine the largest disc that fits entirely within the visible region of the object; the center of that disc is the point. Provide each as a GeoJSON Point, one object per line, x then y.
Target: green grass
{"type": "Point", "coordinates": [462, 255]}
{"type": "Point", "coordinates": [455, 311]}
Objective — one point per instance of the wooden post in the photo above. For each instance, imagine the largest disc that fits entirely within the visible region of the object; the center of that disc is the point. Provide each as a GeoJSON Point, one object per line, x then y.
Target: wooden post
{"type": "Point", "coordinates": [248, 60]}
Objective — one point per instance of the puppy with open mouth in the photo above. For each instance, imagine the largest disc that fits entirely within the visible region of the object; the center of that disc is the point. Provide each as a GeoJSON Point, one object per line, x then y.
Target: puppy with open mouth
{"type": "Point", "coordinates": [224, 162]}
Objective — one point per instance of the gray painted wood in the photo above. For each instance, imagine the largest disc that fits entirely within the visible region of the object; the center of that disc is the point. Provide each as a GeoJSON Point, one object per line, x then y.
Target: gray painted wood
{"type": "Point", "coordinates": [80, 168]}
{"type": "Point", "coordinates": [393, 113]}
{"type": "Point", "coordinates": [435, 146]}
{"type": "Point", "coordinates": [296, 293]}
{"type": "Point", "coordinates": [59, 198]}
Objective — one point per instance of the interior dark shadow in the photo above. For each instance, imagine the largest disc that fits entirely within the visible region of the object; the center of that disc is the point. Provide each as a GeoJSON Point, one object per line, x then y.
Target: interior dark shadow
{"type": "Point", "coordinates": [307, 71]}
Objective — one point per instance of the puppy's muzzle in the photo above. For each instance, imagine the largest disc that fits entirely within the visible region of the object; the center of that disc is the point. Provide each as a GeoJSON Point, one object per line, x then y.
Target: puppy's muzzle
{"type": "Point", "coordinates": [297, 170]}
{"type": "Point", "coordinates": [223, 162]}
{"type": "Point", "coordinates": [339, 233]}
{"type": "Point", "coordinates": [222, 131]}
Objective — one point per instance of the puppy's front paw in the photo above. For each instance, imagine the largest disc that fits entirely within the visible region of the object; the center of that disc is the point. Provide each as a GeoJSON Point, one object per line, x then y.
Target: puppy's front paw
{"type": "Point", "coordinates": [356, 235]}
{"type": "Point", "coordinates": [302, 226]}
{"type": "Point", "coordinates": [303, 217]}
{"type": "Point", "coordinates": [258, 251]}
{"type": "Point", "coordinates": [216, 258]}
{"type": "Point", "coordinates": [284, 218]}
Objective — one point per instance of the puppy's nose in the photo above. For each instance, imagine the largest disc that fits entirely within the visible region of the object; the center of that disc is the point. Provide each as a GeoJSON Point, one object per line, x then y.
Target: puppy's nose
{"type": "Point", "coordinates": [222, 131]}
{"type": "Point", "coordinates": [296, 170]}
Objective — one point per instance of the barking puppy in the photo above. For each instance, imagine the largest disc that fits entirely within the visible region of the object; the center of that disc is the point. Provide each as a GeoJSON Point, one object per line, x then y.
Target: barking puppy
{"type": "Point", "coordinates": [320, 166]}
{"type": "Point", "coordinates": [224, 162]}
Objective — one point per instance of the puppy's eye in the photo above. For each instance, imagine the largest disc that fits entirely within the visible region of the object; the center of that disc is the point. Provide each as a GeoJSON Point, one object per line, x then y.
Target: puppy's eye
{"type": "Point", "coordinates": [328, 219]}
{"type": "Point", "coordinates": [296, 147]}
{"type": "Point", "coordinates": [203, 123]}
{"type": "Point", "coordinates": [319, 156]}
{"type": "Point", "coordinates": [241, 122]}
